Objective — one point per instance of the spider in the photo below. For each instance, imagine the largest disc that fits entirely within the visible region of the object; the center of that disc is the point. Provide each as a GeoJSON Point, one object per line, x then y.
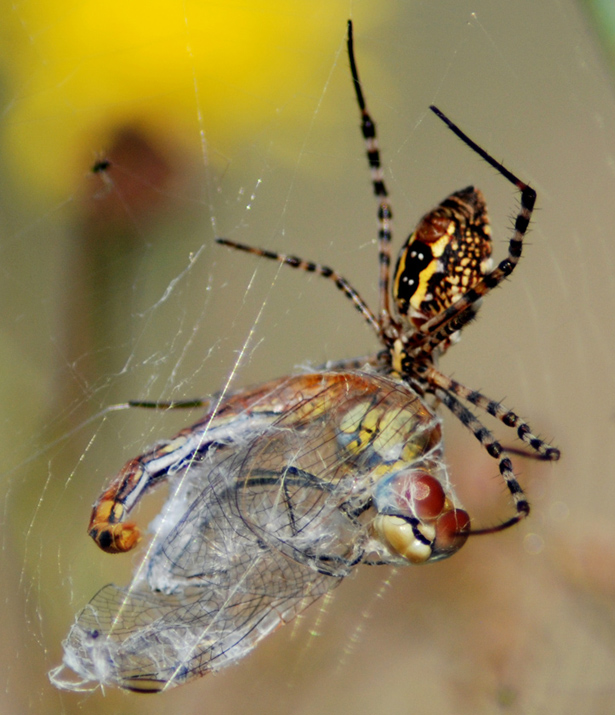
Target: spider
{"type": "Point", "coordinates": [282, 489]}
{"type": "Point", "coordinates": [443, 270]}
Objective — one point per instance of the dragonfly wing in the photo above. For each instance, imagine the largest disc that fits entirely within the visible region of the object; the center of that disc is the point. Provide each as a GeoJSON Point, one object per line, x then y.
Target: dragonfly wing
{"type": "Point", "coordinates": [266, 516]}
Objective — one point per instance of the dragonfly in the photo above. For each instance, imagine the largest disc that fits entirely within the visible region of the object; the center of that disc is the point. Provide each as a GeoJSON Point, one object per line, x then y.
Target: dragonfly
{"type": "Point", "coordinates": [281, 490]}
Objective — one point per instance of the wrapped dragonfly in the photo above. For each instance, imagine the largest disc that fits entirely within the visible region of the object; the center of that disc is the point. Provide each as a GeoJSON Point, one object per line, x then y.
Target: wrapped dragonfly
{"type": "Point", "coordinates": [281, 490]}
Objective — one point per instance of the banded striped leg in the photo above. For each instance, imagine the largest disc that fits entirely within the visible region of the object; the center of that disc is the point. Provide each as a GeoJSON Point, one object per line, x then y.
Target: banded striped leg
{"type": "Point", "coordinates": [495, 450]}
{"type": "Point", "coordinates": [295, 262]}
{"type": "Point", "coordinates": [169, 404]}
{"type": "Point", "coordinates": [368, 129]}
{"type": "Point", "coordinates": [515, 246]}
{"type": "Point", "coordinates": [443, 334]}
{"type": "Point", "coordinates": [374, 361]}
{"type": "Point", "coordinates": [495, 409]}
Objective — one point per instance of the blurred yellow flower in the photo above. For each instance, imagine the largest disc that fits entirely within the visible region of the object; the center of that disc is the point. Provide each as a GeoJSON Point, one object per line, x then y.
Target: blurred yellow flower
{"type": "Point", "coordinates": [76, 73]}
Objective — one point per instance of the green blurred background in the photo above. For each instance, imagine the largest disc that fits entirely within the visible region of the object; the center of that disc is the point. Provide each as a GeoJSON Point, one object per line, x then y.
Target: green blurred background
{"type": "Point", "coordinates": [238, 119]}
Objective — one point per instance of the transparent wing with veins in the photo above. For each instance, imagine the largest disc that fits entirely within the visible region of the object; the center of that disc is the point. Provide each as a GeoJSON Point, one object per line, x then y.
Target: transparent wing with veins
{"type": "Point", "coordinates": [264, 520]}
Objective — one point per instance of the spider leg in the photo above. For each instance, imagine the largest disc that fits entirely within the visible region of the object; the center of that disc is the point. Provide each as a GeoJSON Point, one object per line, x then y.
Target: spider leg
{"type": "Point", "coordinates": [320, 270]}
{"type": "Point", "coordinates": [495, 409]}
{"type": "Point", "coordinates": [169, 404]}
{"type": "Point", "coordinates": [441, 337]}
{"type": "Point", "coordinates": [515, 246]}
{"type": "Point", "coordinates": [495, 450]}
{"type": "Point", "coordinates": [368, 129]}
{"type": "Point", "coordinates": [373, 360]}
{"type": "Point", "coordinates": [525, 453]}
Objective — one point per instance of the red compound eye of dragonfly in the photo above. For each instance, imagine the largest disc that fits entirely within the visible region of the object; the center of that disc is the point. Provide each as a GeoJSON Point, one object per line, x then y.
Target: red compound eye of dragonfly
{"type": "Point", "coordinates": [281, 490]}
{"type": "Point", "coordinates": [422, 493]}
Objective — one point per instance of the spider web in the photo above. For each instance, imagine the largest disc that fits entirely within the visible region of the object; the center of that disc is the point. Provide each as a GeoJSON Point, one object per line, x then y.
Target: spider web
{"type": "Point", "coordinates": [113, 290]}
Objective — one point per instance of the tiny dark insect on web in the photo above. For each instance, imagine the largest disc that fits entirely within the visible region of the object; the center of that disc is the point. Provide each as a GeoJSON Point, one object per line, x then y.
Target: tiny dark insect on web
{"type": "Point", "coordinates": [281, 490]}
{"type": "Point", "coordinates": [101, 166]}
